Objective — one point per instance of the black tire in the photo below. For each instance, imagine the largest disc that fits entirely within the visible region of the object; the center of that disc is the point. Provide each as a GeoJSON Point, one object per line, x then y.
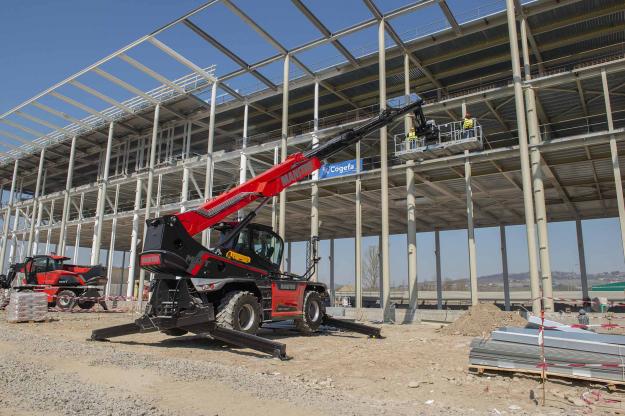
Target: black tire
{"type": "Point", "coordinates": [239, 310]}
{"type": "Point", "coordinates": [65, 300]}
{"type": "Point", "coordinates": [314, 311]}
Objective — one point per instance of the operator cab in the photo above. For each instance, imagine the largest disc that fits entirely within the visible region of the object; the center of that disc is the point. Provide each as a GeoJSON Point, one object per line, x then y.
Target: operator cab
{"type": "Point", "coordinates": [256, 245]}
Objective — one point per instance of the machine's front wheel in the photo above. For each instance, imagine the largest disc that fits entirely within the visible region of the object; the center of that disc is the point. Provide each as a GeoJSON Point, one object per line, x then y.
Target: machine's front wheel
{"type": "Point", "coordinates": [65, 300]}
{"type": "Point", "coordinates": [239, 310]}
{"type": "Point", "coordinates": [314, 311]}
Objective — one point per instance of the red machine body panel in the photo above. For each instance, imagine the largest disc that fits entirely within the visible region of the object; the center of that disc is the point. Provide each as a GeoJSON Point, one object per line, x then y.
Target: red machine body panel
{"type": "Point", "coordinates": [287, 299]}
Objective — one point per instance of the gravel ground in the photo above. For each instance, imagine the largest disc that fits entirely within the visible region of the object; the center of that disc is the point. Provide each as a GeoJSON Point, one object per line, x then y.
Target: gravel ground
{"type": "Point", "coordinates": [50, 368]}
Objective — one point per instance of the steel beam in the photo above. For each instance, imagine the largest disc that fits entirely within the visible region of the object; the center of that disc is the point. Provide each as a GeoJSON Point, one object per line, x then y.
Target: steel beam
{"type": "Point", "coordinates": [525, 164]}
{"type": "Point", "coordinates": [358, 236]}
{"type": "Point", "coordinates": [237, 59]}
{"type": "Point", "coordinates": [325, 31]}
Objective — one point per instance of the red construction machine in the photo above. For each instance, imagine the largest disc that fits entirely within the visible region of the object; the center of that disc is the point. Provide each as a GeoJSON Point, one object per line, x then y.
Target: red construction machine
{"type": "Point", "coordinates": [66, 285]}
{"type": "Point", "coordinates": [230, 290]}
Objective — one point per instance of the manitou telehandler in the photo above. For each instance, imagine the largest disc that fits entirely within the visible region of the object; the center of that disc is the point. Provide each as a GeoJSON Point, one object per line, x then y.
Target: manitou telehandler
{"type": "Point", "coordinates": [230, 290]}
{"type": "Point", "coordinates": [66, 285]}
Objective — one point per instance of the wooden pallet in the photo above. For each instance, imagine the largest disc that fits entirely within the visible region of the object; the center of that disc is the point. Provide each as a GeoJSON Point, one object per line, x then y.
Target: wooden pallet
{"type": "Point", "coordinates": [610, 384]}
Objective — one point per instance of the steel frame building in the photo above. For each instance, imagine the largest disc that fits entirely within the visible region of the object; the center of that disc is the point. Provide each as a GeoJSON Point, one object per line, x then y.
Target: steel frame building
{"type": "Point", "coordinates": [546, 80]}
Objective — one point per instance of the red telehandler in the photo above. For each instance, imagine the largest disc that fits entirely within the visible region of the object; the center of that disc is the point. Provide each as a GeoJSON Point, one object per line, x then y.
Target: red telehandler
{"type": "Point", "coordinates": [230, 290]}
{"type": "Point", "coordinates": [65, 284]}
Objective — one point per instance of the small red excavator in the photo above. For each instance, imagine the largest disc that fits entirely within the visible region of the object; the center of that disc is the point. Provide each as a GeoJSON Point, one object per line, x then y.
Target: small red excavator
{"type": "Point", "coordinates": [65, 284]}
{"type": "Point", "coordinates": [230, 290]}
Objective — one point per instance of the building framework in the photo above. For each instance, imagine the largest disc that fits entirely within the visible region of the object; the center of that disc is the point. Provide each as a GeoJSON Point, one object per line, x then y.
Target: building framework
{"type": "Point", "coordinates": [545, 79]}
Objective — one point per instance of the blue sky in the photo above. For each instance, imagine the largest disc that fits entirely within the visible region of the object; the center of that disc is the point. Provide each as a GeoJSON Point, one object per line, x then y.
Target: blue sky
{"type": "Point", "coordinates": [44, 42]}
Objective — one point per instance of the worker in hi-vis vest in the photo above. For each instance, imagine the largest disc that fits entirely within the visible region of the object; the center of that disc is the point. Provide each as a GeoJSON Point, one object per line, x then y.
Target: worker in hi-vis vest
{"type": "Point", "coordinates": [467, 126]}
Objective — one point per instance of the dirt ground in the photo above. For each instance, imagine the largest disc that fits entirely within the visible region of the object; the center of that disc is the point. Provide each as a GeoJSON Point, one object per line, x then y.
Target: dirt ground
{"type": "Point", "coordinates": [50, 368]}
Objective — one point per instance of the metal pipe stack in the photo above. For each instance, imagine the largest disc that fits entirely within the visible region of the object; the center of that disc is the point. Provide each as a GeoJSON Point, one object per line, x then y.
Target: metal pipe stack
{"type": "Point", "coordinates": [580, 355]}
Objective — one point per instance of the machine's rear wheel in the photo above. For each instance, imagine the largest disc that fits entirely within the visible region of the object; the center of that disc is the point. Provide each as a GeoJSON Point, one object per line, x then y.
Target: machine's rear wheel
{"type": "Point", "coordinates": [65, 300]}
{"type": "Point", "coordinates": [239, 310]}
{"type": "Point", "coordinates": [314, 311]}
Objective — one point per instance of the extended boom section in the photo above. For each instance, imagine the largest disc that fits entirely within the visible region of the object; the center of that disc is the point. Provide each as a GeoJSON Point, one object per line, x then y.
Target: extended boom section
{"type": "Point", "coordinates": [229, 291]}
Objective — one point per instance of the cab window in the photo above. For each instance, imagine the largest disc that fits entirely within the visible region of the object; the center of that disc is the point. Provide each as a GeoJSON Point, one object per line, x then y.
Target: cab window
{"type": "Point", "coordinates": [243, 242]}
{"type": "Point", "coordinates": [267, 245]}
{"type": "Point", "coordinates": [40, 264]}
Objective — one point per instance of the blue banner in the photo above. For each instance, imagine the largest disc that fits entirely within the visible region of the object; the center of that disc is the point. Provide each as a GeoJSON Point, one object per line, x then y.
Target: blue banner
{"type": "Point", "coordinates": [346, 167]}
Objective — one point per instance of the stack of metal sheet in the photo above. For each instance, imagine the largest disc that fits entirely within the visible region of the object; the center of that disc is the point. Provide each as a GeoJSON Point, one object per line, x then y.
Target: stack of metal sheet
{"type": "Point", "coordinates": [575, 354]}
{"type": "Point", "coordinates": [27, 306]}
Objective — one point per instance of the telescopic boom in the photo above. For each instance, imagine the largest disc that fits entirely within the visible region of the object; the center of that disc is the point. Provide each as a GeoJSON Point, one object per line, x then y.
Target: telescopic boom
{"type": "Point", "coordinates": [295, 168]}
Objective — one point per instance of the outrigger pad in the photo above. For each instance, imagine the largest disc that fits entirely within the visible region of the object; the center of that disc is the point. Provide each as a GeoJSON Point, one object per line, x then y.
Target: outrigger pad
{"type": "Point", "coordinates": [371, 331]}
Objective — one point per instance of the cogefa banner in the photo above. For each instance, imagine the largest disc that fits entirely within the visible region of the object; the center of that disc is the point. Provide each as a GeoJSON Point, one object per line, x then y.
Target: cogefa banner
{"type": "Point", "coordinates": [330, 170]}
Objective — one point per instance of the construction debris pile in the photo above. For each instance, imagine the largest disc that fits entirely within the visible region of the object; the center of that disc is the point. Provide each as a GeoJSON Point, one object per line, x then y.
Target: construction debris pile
{"type": "Point", "coordinates": [27, 306]}
{"type": "Point", "coordinates": [579, 354]}
{"type": "Point", "coordinates": [482, 318]}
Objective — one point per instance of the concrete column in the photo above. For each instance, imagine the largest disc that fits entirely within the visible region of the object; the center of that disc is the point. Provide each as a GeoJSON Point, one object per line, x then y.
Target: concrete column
{"type": "Point", "coordinates": [439, 275]}
{"type": "Point", "coordinates": [79, 226]}
{"type": "Point", "coordinates": [332, 286]}
{"type": "Point", "coordinates": [314, 187]}
{"type": "Point", "coordinates": [109, 262]}
{"type": "Point", "coordinates": [243, 162]}
{"type": "Point", "coordinates": [186, 171]}
{"type": "Point", "coordinates": [13, 245]}
{"type": "Point", "coordinates": [148, 192]}
{"type": "Point", "coordinates": [385, 302]}
{"type": "Point", "coordinates": [411, 205]}
{"type": "Point", "coordinates": [184, 194]}
{"type": "Point", "coordinates": [470, 230]}
{"type": "Point", "coordinates": [210, 165]}
{"type": "Point", "coordinates": [616, 168]}
{"type": "Point", "coordinates": [283, 144]}
{"type": "Point", "coordinates": [66, 201]}
{"type": "Point", "coordinates": [37, 228]}
{"type": "Point", "coordinates": [97, 227]}
{"type": "Point", "coordinates": [528, 202]}
{"type": "Point", "coordinates": [381, 287]}
{"type": "Point", "coordinates": [31, 232]}
{"type": "Point", "coordinates": [134, 240]}
{"type": "Point", "coordinates": [288, 257]}
{"type": "Point", "coordinates": [274, 200]}
{"type": "Point", "coordinates": [582, 259]}
{"type": "Point", "coordinates": [7, 214]}
{"type": "Point", "coordinates": [358, 236]}
{"type": "Point", "coordinates": [50, 222]}
{"type": "Point", "coordinates": [504, 266]}
{"type": "Point", "coordinates": [533, 128]}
